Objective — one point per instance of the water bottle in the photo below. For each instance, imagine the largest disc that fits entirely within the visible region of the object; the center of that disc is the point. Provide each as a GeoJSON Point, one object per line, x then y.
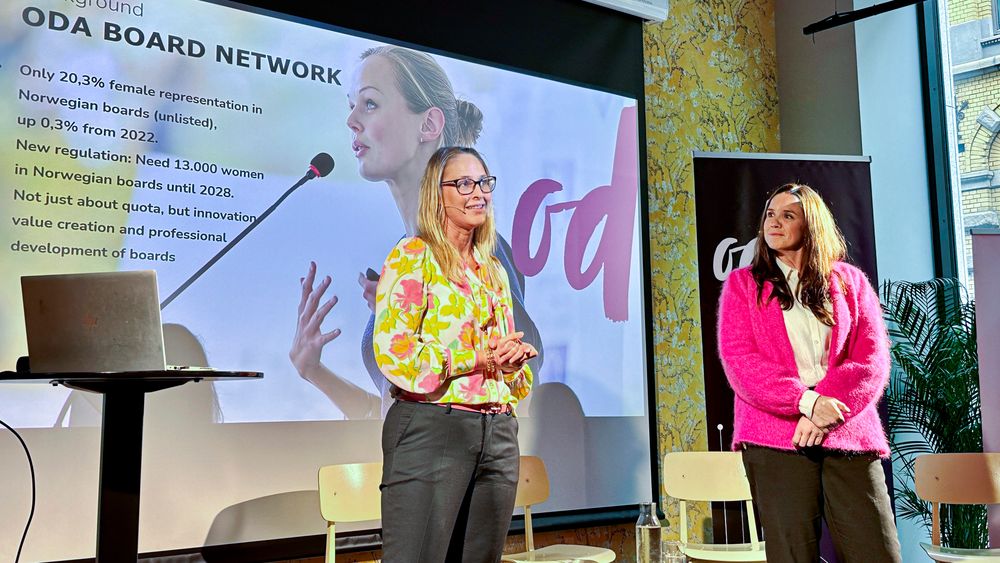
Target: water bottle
{"type": "Point", "coordinates": [672, 553]}
{"type": "Point", "coordinates": [647, 535]}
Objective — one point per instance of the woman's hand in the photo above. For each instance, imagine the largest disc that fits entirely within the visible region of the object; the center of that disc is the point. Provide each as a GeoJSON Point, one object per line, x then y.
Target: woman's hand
{"type": "Point", "coordinates": [511, 354]}
{"type": "Point", "coordinates": [807, 434]}
{"type": "Point", "coordinates": [307, 345]}
{"type": "Point", "coordinates": [828, 413]}
{"type": "Point", "coordinates": [529, 353]}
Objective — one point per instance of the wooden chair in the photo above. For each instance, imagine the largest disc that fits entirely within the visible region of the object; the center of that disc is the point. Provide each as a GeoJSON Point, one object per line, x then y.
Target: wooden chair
{"type": "Point", "coordinates": [971, 478]}
{"type": "Point", "coordinates": [533, 488]}
{"type": "Point", "coordinates": [348, 492]}
{"type": "Point", "coordinates": [711, 477]}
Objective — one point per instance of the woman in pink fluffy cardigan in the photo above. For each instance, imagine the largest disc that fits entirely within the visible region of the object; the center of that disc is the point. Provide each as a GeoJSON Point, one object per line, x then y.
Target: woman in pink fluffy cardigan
{"type": "Point", "coordinates": [805, 349]}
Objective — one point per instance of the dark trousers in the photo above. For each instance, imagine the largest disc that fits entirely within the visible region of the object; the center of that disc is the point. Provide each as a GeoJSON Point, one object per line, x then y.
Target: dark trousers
{"type": "Point", "coordinates": [795, 490]}
{"type": "Point", "coordinates": [449, 478]}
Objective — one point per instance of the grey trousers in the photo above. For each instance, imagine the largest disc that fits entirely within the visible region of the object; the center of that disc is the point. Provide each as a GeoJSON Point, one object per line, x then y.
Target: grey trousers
{"type": "Point", "coordinates": [796, 490]}
{"type": "Point", "coordinates": [449, 478]}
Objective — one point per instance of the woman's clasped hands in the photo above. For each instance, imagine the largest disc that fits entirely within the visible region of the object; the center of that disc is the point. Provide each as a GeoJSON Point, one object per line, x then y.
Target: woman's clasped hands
{"type": "Point", "coordinates": [828, 413]}
{"type": "Point", "coordinates": [808, 434]}
{"type": "Point", "coordinates": [510, 354]}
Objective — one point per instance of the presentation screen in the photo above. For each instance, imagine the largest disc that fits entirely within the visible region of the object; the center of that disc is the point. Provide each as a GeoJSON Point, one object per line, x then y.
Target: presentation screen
{"type": "Point", "coordinates": [158, 135]}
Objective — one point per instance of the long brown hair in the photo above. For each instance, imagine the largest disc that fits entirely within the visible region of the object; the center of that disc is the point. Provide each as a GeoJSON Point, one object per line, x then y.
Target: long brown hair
{"type": "Point", "coordinates": [431, 220]}
{"type": "Point", "coordinates": [822, 245]}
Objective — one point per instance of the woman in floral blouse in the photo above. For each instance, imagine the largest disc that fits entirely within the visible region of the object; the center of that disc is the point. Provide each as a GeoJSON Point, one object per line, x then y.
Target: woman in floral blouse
{"type": "Point", "coordinates": [445, 338]}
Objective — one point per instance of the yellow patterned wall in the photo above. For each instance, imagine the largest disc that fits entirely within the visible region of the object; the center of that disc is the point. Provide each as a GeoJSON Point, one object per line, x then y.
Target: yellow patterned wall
{"type": "Point", "coordinates": [711, 85]}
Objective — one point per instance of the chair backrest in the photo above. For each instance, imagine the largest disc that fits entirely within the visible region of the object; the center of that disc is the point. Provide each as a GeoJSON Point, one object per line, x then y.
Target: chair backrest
{"type": "Point", "coordinates": [963, 478]}
{"type": "Point", "coordinates": [348, 492]}
{"type": "Point", "coordinates": [708, 476]}
{"type": "Point", "coordinates": [958, 478]}
{"type": "Point", "coordinates": [532, 482]}
{"type": "Point", "coordinates": [532, 488]}
{"type": "Point", "coordinates": [705, 476]}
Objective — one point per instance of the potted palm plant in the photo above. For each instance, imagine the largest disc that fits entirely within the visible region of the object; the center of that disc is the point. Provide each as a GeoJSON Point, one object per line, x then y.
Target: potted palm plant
{"type": "Point", "coordinates": [933, 397]}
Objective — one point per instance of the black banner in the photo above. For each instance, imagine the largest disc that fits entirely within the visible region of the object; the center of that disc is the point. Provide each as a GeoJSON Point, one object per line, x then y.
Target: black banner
{"type": "Point", "coordinates": [730, 192]}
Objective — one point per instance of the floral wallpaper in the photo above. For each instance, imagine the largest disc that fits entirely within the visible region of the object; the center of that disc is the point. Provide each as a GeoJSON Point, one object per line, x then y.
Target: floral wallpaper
{"type": "Point", "coordinates": [711, 85]}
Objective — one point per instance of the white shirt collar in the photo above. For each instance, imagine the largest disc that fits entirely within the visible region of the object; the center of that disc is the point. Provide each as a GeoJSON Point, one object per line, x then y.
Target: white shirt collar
{"type": "Point", "coordinates": [791, 274]}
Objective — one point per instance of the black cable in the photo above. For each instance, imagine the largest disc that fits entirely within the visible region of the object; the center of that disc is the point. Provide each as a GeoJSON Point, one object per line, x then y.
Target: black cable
{"type": "Point", "coordinates": [31, 468]}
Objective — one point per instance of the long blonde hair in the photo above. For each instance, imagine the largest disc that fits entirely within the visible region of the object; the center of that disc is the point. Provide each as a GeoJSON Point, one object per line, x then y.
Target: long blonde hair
{"type": "Point", "coordinates": [424, 85]}
{"type": "Point", "coordinates": [431, 221]}
{"type": "Point", "coordinates": [823, 245]}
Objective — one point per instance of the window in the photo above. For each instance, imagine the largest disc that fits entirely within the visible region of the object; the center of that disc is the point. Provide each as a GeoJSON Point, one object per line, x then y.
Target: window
{"type": "Point", "coordinates": [970, 49]}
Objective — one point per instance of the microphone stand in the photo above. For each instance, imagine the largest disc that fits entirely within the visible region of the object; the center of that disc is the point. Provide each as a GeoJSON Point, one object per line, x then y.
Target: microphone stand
{"type": "Point", "coordinates": [309, 176]}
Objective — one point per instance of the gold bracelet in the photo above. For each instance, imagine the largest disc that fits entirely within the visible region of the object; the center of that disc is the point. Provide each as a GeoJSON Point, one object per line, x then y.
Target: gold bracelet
{"type": "Point", "coordinates": [491, 364]}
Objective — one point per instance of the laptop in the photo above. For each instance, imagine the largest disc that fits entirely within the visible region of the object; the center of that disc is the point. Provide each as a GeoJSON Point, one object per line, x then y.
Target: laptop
{"type": "Point", "coordinates": [96, 322]}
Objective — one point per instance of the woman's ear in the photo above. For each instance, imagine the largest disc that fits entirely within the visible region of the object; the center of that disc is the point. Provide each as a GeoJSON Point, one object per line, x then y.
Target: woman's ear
{"type": "Point", "coordinates": [433, 125]}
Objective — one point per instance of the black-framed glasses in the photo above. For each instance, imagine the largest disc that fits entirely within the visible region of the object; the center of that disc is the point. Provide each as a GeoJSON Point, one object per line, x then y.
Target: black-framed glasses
{"type": "Point", "coordinates": [466, 186]}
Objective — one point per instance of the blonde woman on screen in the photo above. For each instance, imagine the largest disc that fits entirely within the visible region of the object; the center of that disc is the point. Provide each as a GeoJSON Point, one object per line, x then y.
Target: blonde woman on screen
{"type": "Point", "coordinates": [403, 108]}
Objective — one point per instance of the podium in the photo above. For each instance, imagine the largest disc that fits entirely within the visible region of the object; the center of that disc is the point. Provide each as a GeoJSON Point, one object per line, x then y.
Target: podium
{"type": "Point", "coordinates": [121, 443]}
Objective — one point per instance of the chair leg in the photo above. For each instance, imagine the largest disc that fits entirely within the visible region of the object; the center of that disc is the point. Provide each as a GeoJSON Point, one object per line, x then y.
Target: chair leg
{"type": "Point", "coordinates": [529, 538]}
{"type": "Point", "coordinates": [331, 542]}
{"type": "Point", "coordinates": [684, 522]}
{"type": "Point", "coordinates": [752, 525]}
{"type": "Point", "coordinates": [935, 523]}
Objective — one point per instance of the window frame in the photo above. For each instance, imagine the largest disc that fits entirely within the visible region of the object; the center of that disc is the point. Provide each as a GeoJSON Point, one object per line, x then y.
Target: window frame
{"type": "Point", "coordinates": [944, 220]}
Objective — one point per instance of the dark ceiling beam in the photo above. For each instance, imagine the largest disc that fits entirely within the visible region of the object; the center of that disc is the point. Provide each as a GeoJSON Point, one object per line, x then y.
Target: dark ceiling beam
{"type": "Point", "coordinates": [855, 15]}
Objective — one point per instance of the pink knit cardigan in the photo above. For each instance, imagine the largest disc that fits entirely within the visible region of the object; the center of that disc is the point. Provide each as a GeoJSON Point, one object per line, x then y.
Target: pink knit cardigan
{"type": "Point", "coordinates": [760, 365]}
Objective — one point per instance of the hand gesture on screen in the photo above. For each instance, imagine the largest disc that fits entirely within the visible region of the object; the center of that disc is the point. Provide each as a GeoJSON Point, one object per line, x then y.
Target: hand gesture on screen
{"type": "Point", "coordinates": [807, 434]}
{"type": "Point", "coordinates": [828, 412]}
{"type": "Point", "coordinates": [307, 345]}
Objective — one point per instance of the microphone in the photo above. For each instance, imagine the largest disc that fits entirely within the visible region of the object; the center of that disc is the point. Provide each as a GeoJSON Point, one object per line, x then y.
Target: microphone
{"type": "Point", "coordinates": [321, 165]}
{"type": "Point", "coordinates": [462, 210]}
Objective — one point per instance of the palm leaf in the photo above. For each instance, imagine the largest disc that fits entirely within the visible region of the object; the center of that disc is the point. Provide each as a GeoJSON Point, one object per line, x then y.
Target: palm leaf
{"type": "Point", "coordinates": [933, 397]}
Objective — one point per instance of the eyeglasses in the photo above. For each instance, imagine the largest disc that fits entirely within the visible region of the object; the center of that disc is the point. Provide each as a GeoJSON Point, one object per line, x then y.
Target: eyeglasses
{"type": "Point", "coordinates": [466, 186]}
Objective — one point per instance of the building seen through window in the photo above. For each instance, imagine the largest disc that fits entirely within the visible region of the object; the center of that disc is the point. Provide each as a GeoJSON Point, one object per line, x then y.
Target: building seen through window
{"type": "Point", "coordinates": [973, 46]}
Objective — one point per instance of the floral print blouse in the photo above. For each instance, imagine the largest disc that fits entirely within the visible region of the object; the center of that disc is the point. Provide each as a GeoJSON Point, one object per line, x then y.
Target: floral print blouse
{"type": "Point", "coordinates": [429, 330]}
